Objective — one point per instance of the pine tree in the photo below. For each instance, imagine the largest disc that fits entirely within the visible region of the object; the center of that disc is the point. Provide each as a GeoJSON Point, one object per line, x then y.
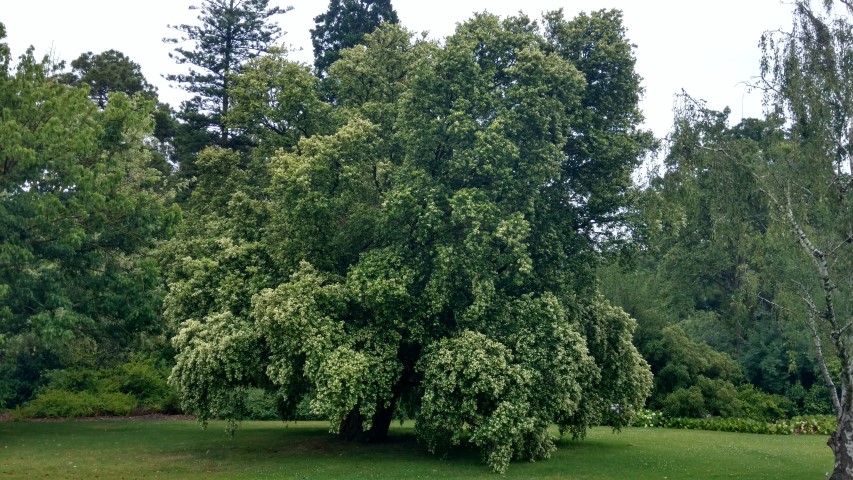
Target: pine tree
{"type": "Point", "coordinates": [230, 33]}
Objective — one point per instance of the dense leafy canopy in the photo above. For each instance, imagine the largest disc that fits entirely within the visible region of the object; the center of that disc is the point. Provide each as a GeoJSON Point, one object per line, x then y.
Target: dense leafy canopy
{"type": "Point", "coordinates": [105, 73]}
{"type": "Point", "coordinates": [428, 248]}
{"type": "Point", "coordinates": [708, 265]}
{"type": "Point", "coordinates": [80, 211]}
{"type": "Point", "coordinates": [275, 104]}
{"type": "Point", "coordinates": [750, 234]}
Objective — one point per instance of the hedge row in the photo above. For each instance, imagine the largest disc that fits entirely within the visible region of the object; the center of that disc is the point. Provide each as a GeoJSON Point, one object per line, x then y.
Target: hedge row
{"type": "Point", "coordinates": [811, 425]}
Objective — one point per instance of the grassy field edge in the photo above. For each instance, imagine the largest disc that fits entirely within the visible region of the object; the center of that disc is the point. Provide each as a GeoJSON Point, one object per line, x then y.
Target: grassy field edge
{"type": "Point", "coordinates": [180, 449]}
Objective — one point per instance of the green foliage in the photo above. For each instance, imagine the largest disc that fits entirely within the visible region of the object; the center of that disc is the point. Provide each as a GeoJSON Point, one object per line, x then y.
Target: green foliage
{"type": "Point", "coordinates": [679, 362]}
{"type": "Point", "coordinates": [65, 404]}
{"type": "Point", "coordinates": [750, 231]}
{"type": "Point", "coordinates": [763, 406]}
{"type": "Point", "coordinates": [720, 398]}
{"type": "Point", "coordinates": [260, 405]}
{"type": "Point", "coordinates": [816, 401]}
{"type": "Point", "coordinates": [275, 102]}
{"type": "Point", "coordinates": [476, 392]}
{"type": "Point", "coordinates": [137, 386]}
{"type": "Point", "coordinates": [800, 425]}
{"type": "Point", "coordinates": [685, 402]}
{"type": "Point", "coordinates": [81, 211]}
{"type": "Point", "coordinates": [715, 266]}
{"type": "Point", "coordinates": [229, 34]}
{"type": "Point", "coordinates": [107, 72]}
{"type": "Point", "coordinates": [711, 268]}
{"type": "Point", "coordinates": [612, 395]}
{"type": "Point", "coordinates": [344, 25]}
{"type": "Point", "coordinates": [762, 212]}
{"type": "Point", "coordinates": [448, 205]}
{"type": "Point", "coordinates": [147, 381]}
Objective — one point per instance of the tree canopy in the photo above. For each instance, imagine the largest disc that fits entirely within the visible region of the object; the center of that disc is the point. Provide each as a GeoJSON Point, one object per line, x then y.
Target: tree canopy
{"type": "Point", "coordinates": [344, 25]}
{"type": "Point", "coordinates": [807, 180]}
{"type": "Point", "coordinates": [230, 33]}
{"type": "Point", "coordinates": [107, 72]}
{"type": "Point", "coordinates": [80, 210]}
{"type": "Point", "coordinates": [431, 249]}
{"type": "Point", "coordinates": [750, 225]}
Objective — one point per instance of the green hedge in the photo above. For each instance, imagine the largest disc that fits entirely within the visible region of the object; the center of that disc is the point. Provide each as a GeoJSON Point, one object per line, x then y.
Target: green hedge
{"type": "Point", "coordinates": [65, 404]}
{"type": "Point", "coordinates": [810, 425]}
{"type": "Point", "coordinates": [135, 387]}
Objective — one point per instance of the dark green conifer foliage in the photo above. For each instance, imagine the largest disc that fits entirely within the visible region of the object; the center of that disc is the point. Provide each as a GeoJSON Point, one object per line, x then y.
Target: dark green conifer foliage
{"type": "Point", "coordinates": [106, 72]}
{"type": "Point", "coordinates": [344, 25]}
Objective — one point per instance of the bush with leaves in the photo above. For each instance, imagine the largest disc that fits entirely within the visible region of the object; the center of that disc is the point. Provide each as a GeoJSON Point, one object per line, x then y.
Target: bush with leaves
{"type": "Point", "coordinates": [137, 386]}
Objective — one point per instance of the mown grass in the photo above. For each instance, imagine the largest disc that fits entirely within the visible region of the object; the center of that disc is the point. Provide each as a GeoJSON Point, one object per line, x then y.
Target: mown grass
{"type": "Point", "coordinates": [264, 450]}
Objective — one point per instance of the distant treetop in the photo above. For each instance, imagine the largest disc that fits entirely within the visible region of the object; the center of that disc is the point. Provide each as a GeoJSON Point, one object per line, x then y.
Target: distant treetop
{"type": "Point", "coordinates": [344, 25]}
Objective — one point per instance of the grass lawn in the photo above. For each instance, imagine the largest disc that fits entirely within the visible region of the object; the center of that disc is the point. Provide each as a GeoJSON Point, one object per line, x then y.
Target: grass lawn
{"type": "Point", "coordinates": [169, 449]}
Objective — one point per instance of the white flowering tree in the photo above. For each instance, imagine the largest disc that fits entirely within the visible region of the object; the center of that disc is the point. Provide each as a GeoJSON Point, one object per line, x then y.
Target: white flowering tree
{"type": "Point", "coordinates": [434, 255]}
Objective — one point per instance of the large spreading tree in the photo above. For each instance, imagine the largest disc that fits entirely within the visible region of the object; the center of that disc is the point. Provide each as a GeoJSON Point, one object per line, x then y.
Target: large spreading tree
{"type": "Point", "coordinates": [430, 251]}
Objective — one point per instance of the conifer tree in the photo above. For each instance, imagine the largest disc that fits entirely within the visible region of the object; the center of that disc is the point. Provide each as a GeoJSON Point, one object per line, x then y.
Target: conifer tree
{"type": "Point", "coordinates": [229, 33]}
{"type": "Point", "coordinates": [344, 25]}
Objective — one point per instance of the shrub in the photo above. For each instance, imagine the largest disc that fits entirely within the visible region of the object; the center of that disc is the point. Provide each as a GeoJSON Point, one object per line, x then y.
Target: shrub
{"type": "Point", "coordinates": [58, 404]}
{"type": "Point", "coordinates": [811, 425]}
{"type": "Point", "coordinates": [685, 402]}
{"type": "Point", "coordinates": [145, 380]}
{"type": "Point", "coordinates": [260, 405]}
{"type": "Point", "coordinates": [721, 397]}
{"type": "Point", "coordinates": [763, 406]}
{"type": "Point", "coordinates": [120, 404]}
{"type": "Point", "coordinates": [816, 401]}
{"type": "Point", "coordinates": [647, 418]}
{"type": "Point", "coordinates": [64, 404]}
{"type": "Point", "coordinates": [74, 379]}
{"type": "Point", "coordinates": [816, 424]}
{"type": "Point", "coordinates": [139, 385]}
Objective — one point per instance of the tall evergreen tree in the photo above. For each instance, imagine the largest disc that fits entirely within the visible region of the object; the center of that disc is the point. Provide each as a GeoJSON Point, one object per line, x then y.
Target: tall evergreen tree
{"type": "Point", "coordinates": [344, 25]}
{"type": "Point", "coordinates": [230, 33]}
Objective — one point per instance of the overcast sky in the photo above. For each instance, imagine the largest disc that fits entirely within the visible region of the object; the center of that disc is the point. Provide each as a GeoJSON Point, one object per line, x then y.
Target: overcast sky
{"type": "Point", "coordinates": [709, 48]}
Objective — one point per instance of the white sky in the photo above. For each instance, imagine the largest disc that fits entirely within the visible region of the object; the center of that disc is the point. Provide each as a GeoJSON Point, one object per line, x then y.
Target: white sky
{"type": "Point", "coordinates": [708, 48]}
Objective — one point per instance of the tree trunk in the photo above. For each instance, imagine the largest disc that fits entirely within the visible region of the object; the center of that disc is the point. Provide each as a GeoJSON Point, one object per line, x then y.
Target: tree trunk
{"type": "Point", "coordinates": [841, 443]}
{"type": "Point", "coordinates": [352, 428]}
